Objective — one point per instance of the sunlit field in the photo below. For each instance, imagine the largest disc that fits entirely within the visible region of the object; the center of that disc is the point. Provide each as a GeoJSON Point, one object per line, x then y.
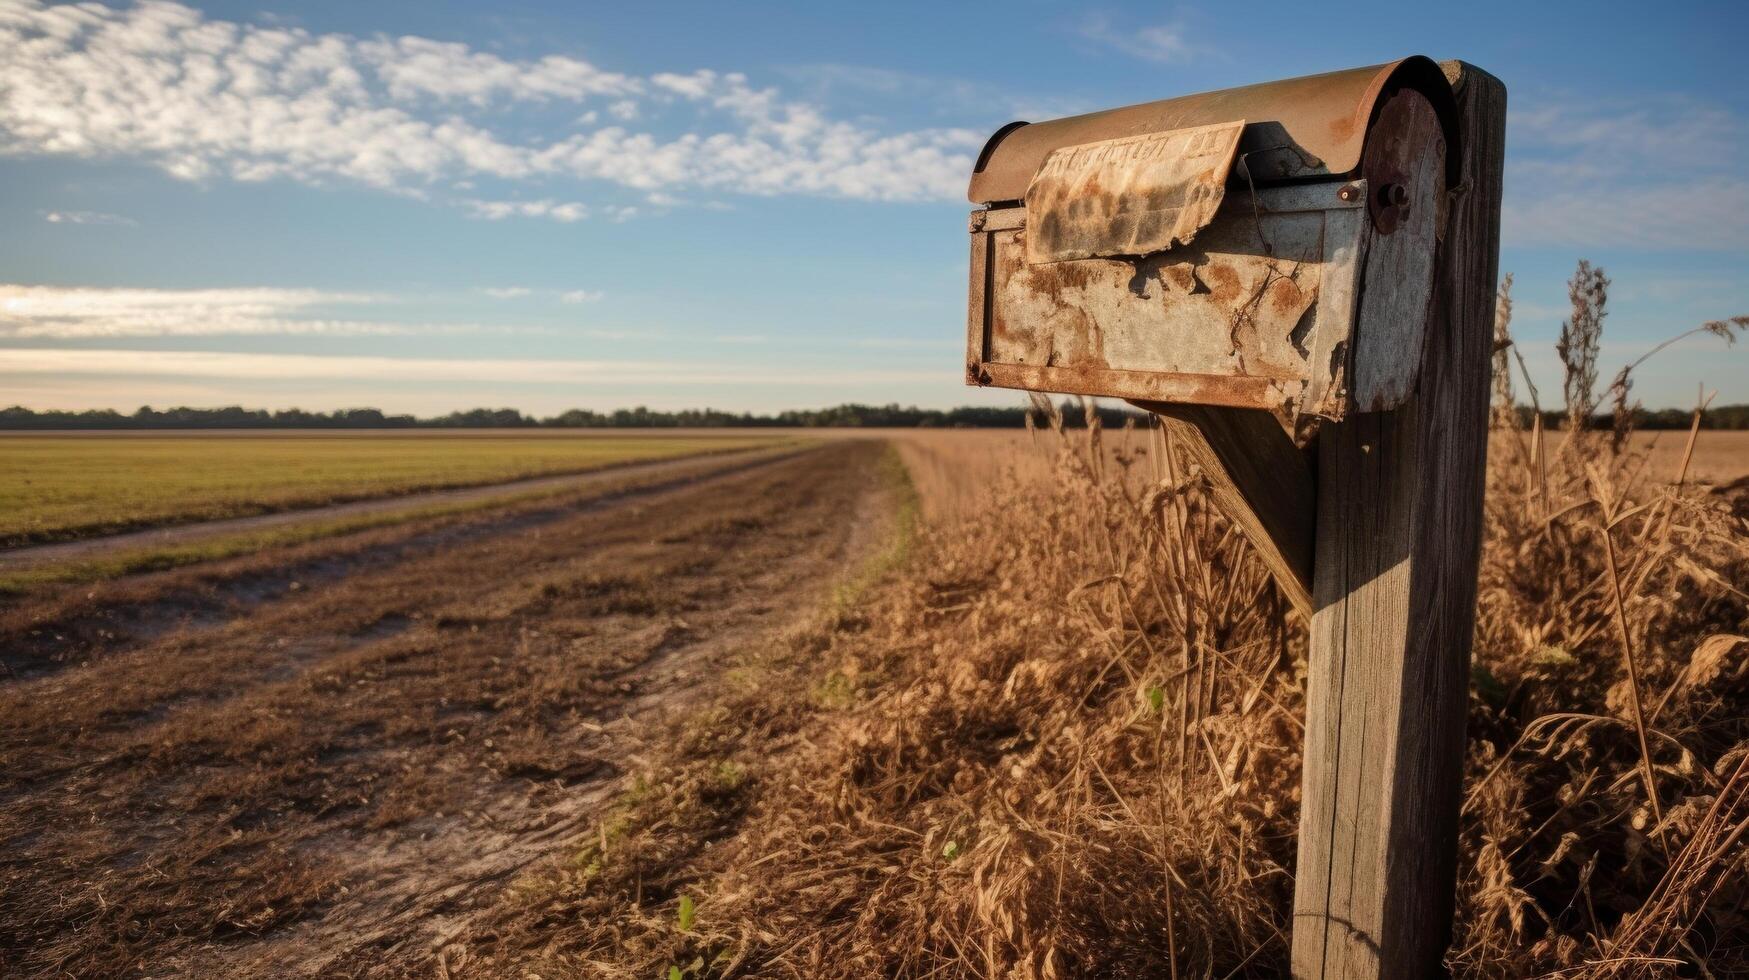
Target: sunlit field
{"type": "Point", "coordinates": [1024, 706]}
{"type": "Point", "coordinates": [60, 487]}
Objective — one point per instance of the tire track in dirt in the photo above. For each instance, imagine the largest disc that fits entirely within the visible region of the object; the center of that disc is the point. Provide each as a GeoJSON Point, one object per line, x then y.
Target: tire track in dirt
{"type": "Point", "coordinates": [42, 634]}
{"type": "Point", "coordinates": [33, 556]}
{"type": "Point", "coordinates": [341, 775]}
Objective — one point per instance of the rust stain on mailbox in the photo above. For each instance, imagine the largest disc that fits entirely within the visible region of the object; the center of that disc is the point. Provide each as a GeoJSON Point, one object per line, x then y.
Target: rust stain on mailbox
{"type": "Point", "coordinates": [1129, 196]}
{"type": "Point", "coordinates": [1155, 262]}
{"type": "Point", "coordinates": [1238, 309]}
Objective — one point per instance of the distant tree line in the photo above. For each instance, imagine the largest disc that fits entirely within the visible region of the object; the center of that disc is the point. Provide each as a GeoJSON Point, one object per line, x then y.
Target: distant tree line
{"type": "Point", "coordinates": [874, 416]}
{"type": "Point", "coordinates": [880, 416]}
{"type": "Point", "coordinates": [1717, 417]}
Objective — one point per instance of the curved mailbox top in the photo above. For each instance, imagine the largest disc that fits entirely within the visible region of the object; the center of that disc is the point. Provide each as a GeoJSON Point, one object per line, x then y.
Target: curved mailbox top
{"type": "Point", "coordinates": [1308, 127]}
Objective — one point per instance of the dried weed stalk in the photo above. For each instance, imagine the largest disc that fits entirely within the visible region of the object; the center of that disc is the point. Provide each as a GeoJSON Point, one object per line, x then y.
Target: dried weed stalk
{"type": "Point", "coordinates": [1066, 741]}
{"type": "Point", "coordinates": [1588, 291]}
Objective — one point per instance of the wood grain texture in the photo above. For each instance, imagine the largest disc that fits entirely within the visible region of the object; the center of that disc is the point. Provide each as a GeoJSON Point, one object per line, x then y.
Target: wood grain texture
{"type": "Point", "coordinates": [1398, 541]}
{"type": "Point", "coordinates": [1260, 480]}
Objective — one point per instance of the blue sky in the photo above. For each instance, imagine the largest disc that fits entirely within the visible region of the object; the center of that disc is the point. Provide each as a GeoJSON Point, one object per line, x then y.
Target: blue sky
{"type": "Point", "coordinates": [437, 205]}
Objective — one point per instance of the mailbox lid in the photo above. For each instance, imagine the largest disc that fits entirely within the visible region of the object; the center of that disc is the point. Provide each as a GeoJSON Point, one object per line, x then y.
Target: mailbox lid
{"type": "Point", "coordinates": [1308, 127]}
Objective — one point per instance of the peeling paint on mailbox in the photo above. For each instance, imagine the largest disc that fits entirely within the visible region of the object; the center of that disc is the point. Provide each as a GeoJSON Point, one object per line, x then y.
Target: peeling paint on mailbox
{"type": "Point", "coordinates": [1130, 196]}
{"type": "Point", "coordinates": [1242, 301]}
{"type": "Point", "coordinates": [1152, 266]}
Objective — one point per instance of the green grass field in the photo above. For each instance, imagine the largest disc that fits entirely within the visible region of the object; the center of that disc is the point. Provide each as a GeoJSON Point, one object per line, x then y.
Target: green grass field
{"type": "Point", "coordinates": [57, 488]}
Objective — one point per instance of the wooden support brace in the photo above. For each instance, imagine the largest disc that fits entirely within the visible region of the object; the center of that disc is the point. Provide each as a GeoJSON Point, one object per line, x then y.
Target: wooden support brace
{"type": "Point", "coordinates": [1260, 480]}
{"type": "Point", "coordinates": [1399, 517]}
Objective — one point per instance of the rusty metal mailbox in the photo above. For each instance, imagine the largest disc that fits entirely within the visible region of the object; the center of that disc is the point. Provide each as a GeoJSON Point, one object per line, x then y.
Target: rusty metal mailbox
{"type": "Point", "coordinates": [1298, 279]}
{"type": "Point", "coordinates": [1265, 247]}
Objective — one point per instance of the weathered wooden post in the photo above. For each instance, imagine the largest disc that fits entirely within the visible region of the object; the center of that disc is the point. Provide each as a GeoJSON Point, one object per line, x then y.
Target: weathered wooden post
{"type": "Point", "coordinates": [1298, 277]}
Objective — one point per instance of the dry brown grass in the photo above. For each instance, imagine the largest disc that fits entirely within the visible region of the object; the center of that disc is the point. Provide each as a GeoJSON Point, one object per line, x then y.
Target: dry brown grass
{"type": "Point", "coordinates": [1720, 457]}
{"type": "Point", "coordinates": [1067, 743]}
{"type": "Point", "coordinates": [1063, 740]}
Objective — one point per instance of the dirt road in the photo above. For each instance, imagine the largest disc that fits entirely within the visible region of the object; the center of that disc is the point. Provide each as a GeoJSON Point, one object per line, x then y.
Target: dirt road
{"type": "Point", "coordinates": [321, 764]}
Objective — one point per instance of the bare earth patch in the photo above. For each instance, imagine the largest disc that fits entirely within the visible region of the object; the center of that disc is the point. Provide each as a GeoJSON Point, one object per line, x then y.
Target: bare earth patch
{"type": "Point", "coordinates": [330, 775]}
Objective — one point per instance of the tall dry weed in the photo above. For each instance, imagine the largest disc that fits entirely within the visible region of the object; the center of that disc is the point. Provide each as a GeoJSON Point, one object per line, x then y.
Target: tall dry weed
{"type": "Point", "coordinates": [1067, 741]}
{"type": "Point", "coordinates": [1076, 755]}
{"type": "Point", "coordinates": [1609, 724]}
{"type": "Point", "coordinates": [1581, 334]}
{"type": "Point", "coordinates": [1503, 407]}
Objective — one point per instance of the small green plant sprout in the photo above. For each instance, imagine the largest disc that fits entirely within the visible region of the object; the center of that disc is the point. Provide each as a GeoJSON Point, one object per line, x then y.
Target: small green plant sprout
{"type": "Point", "coordinates": [688, 912]}
{"type": "Point", "coordinates": [693, 969]}
{"type": "Point", "coordinates": [729, 775]}
{"type": "Point", "coordinates": [1156, 698]}
{"type": "Point", "coordinates": [1551, 657]}
{"type": "Point", "coordinates": [950, 850]}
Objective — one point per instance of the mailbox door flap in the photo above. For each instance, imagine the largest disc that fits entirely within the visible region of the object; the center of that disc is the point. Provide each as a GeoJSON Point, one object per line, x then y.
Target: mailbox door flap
{"type": "Point", "coordinates": [1257, 313]}
{"type": "Point", "coordinates": [1136, 195]}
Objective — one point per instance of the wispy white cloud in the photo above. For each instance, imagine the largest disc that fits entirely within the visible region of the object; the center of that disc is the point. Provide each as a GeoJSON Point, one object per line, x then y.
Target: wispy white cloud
{"type": "Point", "coordinates": [1655, 173]}
{"type": "Point", "coordinates": [565, 211]}
{"type": "Point", "coordinates": [568, 296]}
{"type": "Point", "coordinates": [411, 67]}
{"type": "Point", "coordinates": [1704, 214]}
{"type": "Point", "coordinates": [85, 218]}
{"type": "Point", "coordinates": [1162, 43]}
{"type": "Point", "coordinates": [1612, 136]}
{"type": "Point", "coordinates": [36, 312]}
{"type": "Point", "coordinates": [204, 98]}
{"type": "Point", "coordinates": [304, 367]}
